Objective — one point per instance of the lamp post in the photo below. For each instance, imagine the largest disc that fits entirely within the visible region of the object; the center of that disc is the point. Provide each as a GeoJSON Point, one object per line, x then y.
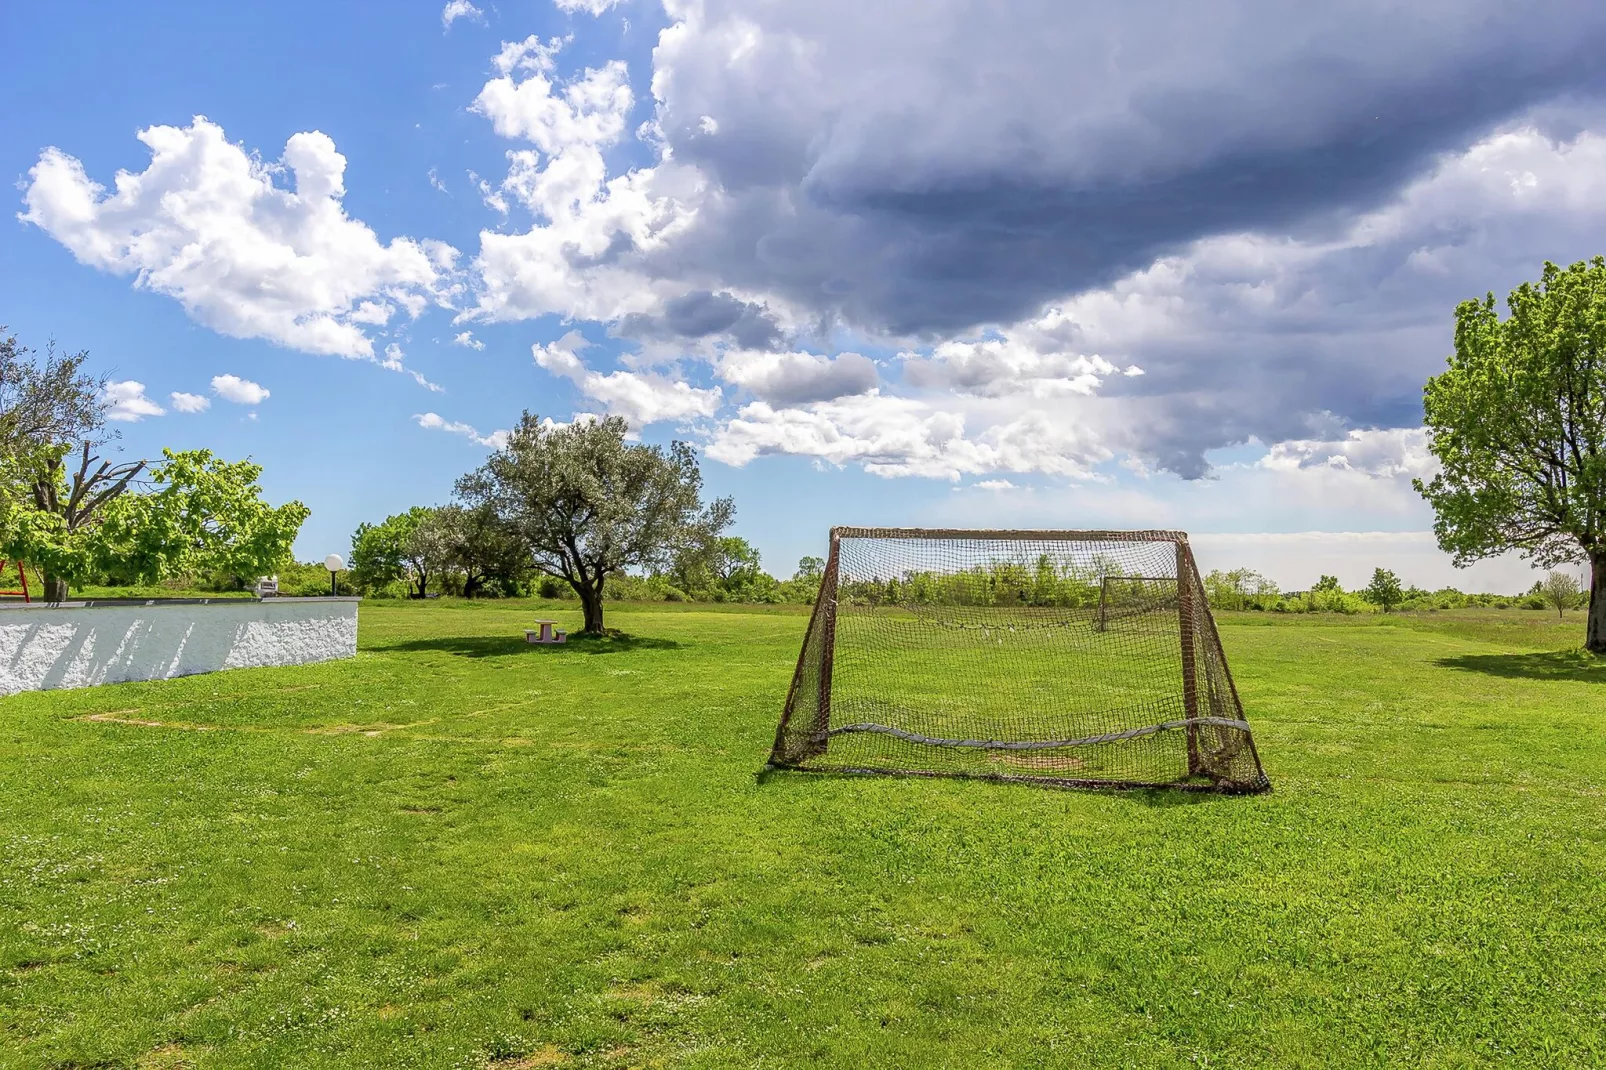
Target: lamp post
{"type": "Point", "coordinates": [334, 564]}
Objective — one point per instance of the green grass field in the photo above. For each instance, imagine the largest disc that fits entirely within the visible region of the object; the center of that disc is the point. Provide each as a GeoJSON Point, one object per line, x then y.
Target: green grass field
{"type": "Point", "coordinates": [461, 851]}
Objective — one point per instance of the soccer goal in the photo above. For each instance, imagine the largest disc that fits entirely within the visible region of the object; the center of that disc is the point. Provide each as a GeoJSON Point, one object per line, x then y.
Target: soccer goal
{"type": "Point", "coordinates": [1075, 658]}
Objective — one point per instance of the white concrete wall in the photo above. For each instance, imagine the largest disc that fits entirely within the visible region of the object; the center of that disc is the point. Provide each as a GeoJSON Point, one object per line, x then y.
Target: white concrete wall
{"type": "Point", "coordinates": [77, 645]}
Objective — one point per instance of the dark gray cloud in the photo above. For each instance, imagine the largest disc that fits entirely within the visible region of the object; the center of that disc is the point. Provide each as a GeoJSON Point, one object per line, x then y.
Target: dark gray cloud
{"type": "Point", "coordinates": [799, 378]}
{"type": "Point", "coordinates": [923, 168]}
{"type": "Point", "coordinates": [702, 314]}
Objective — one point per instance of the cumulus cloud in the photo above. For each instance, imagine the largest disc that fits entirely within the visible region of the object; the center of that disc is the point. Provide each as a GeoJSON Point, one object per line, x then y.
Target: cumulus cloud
{"type": "Point", "coordinates": [183, 402]}
{"type": "Point", "coordinates": [467, 340]}
{"type": "Point", "coordinates": [893, 436]}
{"type": "Point", "coordinates": [126, 401]}
{"type": "Point", "coordinates": [240, 391]}
{"type": "Point", "coordinates": [640, 398]}
{"type": "Point", "coordinates": [208, 224]}
{"type": "Point", "coordinates": [1388, 454]}
{"type": "Point", "coordinates": [460, 9]}
{"type": "Point", "coordinates": [435, 422]}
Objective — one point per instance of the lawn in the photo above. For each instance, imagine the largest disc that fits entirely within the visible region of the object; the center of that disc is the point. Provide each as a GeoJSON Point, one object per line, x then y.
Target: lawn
{"type": "Point", "coordinates": [461, 851]}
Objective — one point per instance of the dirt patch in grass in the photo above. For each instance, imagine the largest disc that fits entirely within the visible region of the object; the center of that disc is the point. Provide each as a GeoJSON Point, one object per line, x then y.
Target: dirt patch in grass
{"type": "Point", "coordinates": [547, 1056]}
{"type": "Point", "coordinates": [167, 1057]}
{"type": "Point", "coordinates": [117, 717]}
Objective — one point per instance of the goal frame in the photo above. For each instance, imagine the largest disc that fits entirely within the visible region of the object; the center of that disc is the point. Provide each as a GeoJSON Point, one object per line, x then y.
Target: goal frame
{"type": "Point", "coordinates": [1186, 570]}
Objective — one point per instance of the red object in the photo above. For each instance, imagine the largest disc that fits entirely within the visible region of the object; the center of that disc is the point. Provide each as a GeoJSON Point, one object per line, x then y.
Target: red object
{"type": "Point", "coordinates": [22, 573]}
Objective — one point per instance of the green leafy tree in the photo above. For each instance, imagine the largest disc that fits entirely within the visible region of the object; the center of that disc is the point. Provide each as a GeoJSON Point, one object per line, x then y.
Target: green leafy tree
{"type": "Point", "coordinates": [478, 544]}
{"type": "Point", "coordinates": [1328, 583]}
{"type": "Point", "coordinates": [1518, 422]}
{"type": "Point", "coordinates": [586, 504]}
{"type": "Point", "coordinates": [1384, 591]}
{"type": "Point", "coordinates": [48, 409]}
{"type": "Point", "coordinates": [404, 546]}
{"type": "Point", "coordinates": [1560, 591]}
{"type": "Point", "coordinates": [201, 514]}
{"type": "Point", "coordinates": [810, 568]}
{"type": "Point", "coordinates": [194, 513]}
{"type": "Point", "coordinates": [1241, 588]}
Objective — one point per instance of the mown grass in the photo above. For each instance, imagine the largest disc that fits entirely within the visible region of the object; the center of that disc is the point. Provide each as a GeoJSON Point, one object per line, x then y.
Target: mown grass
{"type": "Point", "coordinates": [461, 851]}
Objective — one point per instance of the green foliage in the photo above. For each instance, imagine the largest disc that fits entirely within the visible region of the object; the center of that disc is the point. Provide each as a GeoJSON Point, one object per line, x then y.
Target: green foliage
{"type": "Point", "coordinates": [1042, 581]}
{"type": "Point", "coordinates": [586, 504]}
{"type": "Point", "coordinates": [204, 514]}
{"type": "Point", "coordinates": [1384, 591]}
{"type": "Point", "coordinates": [1560, 591]}
{"type": "Point", "coordinates": [479, 547]}
{"type": "Point", "coordinates": [45, 403]}
{"type": "Point", "coordinates": [196, 513]}
{"type": "Point", "coordinates": [1240, 588]}
{"type": "Point", "coordinates": [405, 547]}
{"type": "Point", "coordinates": [1518, 422]}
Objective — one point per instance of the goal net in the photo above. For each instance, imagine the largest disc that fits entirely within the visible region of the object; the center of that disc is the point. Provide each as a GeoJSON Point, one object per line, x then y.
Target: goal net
{"type": "Point", "coordinates": [1077, 658]}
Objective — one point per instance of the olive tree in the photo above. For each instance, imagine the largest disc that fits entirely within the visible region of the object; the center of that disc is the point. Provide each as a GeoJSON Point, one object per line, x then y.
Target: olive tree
{"type": "Point", "coordinates": [477, 543]}
{"type": "Point", "coordinates": [587, 504]}
{"type": "Point", "coordinates": [1518, 423]}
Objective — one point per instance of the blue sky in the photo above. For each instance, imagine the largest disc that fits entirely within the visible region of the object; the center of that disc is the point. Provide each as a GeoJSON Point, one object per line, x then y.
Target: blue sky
{"type": "Point", "coordinates": [1041, 264]}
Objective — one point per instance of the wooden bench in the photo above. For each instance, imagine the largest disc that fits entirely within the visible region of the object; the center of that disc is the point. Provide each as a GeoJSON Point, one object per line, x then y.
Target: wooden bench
{"type": "Point", "coordinates": [545, 633]}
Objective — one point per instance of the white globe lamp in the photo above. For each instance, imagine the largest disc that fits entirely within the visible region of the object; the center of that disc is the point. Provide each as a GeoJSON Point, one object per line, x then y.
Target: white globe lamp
{"type": "Point", "coordinates": [334, 564]}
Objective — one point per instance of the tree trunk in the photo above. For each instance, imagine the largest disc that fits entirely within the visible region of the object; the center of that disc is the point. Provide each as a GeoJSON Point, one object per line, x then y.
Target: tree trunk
{"type": "Point", "coordinates": [591, 603]}
{"type": "Point", "coordinates": [52, 588]}
{"type": "Point", "coordinates": [1595, 637]}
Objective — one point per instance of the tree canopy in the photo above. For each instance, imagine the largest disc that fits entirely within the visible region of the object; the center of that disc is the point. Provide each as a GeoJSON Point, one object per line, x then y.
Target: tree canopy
{"type": "Point", "coordinates": [1518, 423]}
{"type": "Point", "coordinates": [69, 510]}
{"type": "Point", "coordinates": [409, 545]}
{"type": "Point", "coordinates": [585, 503]}
{"type": "Point", "coordinates": [1384, 591]}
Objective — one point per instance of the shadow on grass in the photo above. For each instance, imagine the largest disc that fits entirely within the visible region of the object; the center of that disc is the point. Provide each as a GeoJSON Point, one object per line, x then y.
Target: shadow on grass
{"type": "Point", "coordinates": [502, 646]}
{"type": "Point", "coordinates": [1548, 665]}
{"type": "Point", "coordinates": [1177, 795]}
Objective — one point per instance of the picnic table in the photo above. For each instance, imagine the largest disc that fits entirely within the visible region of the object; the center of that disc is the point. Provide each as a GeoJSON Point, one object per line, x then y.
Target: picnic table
{"type": "Point", "coordinates": [545, 632]}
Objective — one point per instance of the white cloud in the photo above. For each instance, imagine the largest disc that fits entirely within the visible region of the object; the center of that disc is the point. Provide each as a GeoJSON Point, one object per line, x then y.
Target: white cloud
{"type": "Point", "coordinates": [1036, 359]}
{"type": "Point", "coordinates": [126, 401]}
{"type": "Point", "coordinates": [392, 361]}
{"type": "Point", "coordinates": [467, 340]}
{"type": "Point", "coordinates": [436, 183]}
{"type": "Point", "coordinates": [460, 9]}
{"type": "Point", "coordinates": [994, 484]}
{"type": "Point", "coordinates": [1386, 454]}
{"type": "Point", "coordinates": [434, 422]}
{"type": "Point", "coordinates": [581, 259]}
{"type": "Point", "coordinates": [640, 398]}
{"type": "Point", "coordinates": [240, 391]}
{"type": "Point", "coordinates": [590, 7]}
{"type": "Point", "coordinates": [893, 436]}
{"type": "Point", "coordinates": [583, 112]}
{"type": "Point", "coordinates": [207, 224]}
{"type": "Point", "coordinates": [183, 402]}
